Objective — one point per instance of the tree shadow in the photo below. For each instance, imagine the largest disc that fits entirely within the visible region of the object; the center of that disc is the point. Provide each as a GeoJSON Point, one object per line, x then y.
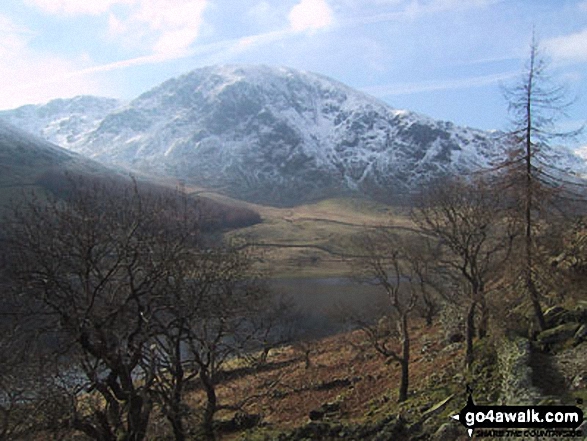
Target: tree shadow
{"type": "Point", "coordinates": [546, 377]}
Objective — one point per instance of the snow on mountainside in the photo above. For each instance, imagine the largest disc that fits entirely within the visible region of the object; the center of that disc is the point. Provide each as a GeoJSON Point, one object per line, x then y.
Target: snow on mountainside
{"type": "Point", "coordinates": [273, 135]}
{"type": "Point", "coordinates": [62, 121]}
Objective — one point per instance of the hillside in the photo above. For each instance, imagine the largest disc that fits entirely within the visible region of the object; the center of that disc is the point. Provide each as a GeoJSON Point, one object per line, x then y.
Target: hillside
{"type": "Point", "coordinates": [314, 240]}
{"type": "Point", "coordinates": [29, 163]}
{"type": "Point", "coordinates": [26, 161]}
{"type": "Point", "coordinates": [340, 388]}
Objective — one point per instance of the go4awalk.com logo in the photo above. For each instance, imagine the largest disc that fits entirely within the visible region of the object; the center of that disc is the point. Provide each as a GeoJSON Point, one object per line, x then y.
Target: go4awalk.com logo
{"type": "Point", "coordinates": [520, 420]}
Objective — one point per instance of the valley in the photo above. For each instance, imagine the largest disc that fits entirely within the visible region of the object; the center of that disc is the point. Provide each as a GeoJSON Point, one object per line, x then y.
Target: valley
{"type": "Point", "coordinates": [259, 253]}
{"type": "Point", "coordinates": [315, 240]}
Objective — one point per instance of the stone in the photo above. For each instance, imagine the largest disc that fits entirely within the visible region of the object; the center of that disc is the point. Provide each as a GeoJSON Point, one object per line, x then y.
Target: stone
{"type": "Point", "coordinates": [316, 414]}
{"type": "Point", "coordinates": [558, 334]}
{"type": "Point", "coordinates": [579, 382]}
{"type": "Point", "coordinates": [327, 409]}
{"type": "Point", "coordinates": [553, 315]}
{"type": "Point", "coordinates": [396, 428]}
{"type": "Point", "coordinates": [244, 420]}
{"type": "Point", "coordinates": [581, 334]}
{"type": "Point", "coordinates": [437, 408]}
{"type": "Point", "coordinates": [580, 314]}
{"type": "Point", "coordinates": [455, 336]}
{"type": "Point", "coordinates": [448, 432]}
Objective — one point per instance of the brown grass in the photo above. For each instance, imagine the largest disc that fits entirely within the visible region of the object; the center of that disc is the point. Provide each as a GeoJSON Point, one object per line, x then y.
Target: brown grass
{"type": "Point", "coordinates": [312, 240]}
{"type": "Point", "coordinates": [344, 369]}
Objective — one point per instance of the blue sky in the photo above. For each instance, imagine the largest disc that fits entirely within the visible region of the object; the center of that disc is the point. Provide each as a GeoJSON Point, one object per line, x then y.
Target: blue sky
{"type": "Point", "coordinates": [443, 58]}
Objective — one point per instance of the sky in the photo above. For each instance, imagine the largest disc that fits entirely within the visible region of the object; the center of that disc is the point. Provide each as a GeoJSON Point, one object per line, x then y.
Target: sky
{"type": "Point", "coordinates": [448, 59]}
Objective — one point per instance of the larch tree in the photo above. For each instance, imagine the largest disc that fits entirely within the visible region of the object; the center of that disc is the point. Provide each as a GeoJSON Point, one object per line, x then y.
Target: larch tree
{"type": "Point", "coordinates": [536, 104]}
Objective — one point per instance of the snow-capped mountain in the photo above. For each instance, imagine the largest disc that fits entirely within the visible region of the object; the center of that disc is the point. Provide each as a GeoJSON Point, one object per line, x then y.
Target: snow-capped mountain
{"type": "Point", "coordinates": [273, 135]}
{"type": "Point", "coordinates": [64, 122]}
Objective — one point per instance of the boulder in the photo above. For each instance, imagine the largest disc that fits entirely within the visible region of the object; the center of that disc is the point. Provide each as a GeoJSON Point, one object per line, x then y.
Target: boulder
{"type": "Point", "coordinates": [448, 432]}
{"type": "Point", "coordinates": [326, 410]}
{"type": "Point", "coordinates": [579, 382]}
{"type": "Point", "coordinates": [316, 414]}
{"type": "Point", "coordinates": [581, 334]}
{"type": "Point", "coordinates": [553, 316]}
{"type": "Point", "coordinates": [557, 315]}
{"type": "Point", "coordinates": [244, 420]}
{"type": "Point", "coordinates": [396, 428]}
{"type": "Point", "coordinates": [559, 334]}
{"type": "Point", "coordinates": [580, 312]}
{"type": "Point", "coordinates": [454, 336]}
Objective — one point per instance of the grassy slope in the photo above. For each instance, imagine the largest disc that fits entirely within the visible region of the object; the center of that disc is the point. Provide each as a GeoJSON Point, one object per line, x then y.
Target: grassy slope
{"type": "Point", "coordinates": [311, 240]}
{"type": "Point", "coordinates": [347, 371]}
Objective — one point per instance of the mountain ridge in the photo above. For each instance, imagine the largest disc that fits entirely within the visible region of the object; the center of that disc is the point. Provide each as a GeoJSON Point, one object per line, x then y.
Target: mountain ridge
{"type": "Point", "coordinates": [274, 135]}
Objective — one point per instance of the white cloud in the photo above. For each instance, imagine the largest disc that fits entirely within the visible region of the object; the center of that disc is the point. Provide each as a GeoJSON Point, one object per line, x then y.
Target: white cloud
{"type": "Point", "coordinates": [31, 77]}
{"type": "Point", "coordinates": [13, 38]}
{"type": "Point", "coordinates": [571, 47]}
{"type": "Point", "coordinates": [76, 7]}
{"type": "Point", "coordinates": [310, 15]}
{"type": "Point", "coordinates": [178, 22]}
{"type": "Point", "coordinates": [414, 9]}
{"type": "Point", "coordinates": [261, 12]}
{"type": "Point", "coordinates": [583, 5]}
{"type": "Point", "coordinates": [581, 151]}
{"type": "Point", "coordinates": [430, 86]}
{"type": "Point", "coordinates": [34, 79]}
{"type": "Point", "coordinates": [161, 26]}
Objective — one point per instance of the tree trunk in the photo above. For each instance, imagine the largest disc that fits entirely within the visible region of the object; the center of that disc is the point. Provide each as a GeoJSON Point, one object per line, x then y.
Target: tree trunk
{"type": "Point", "coordinates": [470, 333]}
{"type": "Point", "coordinates": [484, 322]}
{"type": "Point", "coordinates": [429, 310]}
{"type": "Point", "coordinates": [405, 361]}
{"type": "Point", "coordinates": [535, 300]}
{"type": "Point", "coordinates": [211, 404]}
{"type": "Point", "coordinates": [176, 416]}
{"type": "Point", "coordinates": [529, 206]}
{"type": "Point", "coordinates": [138, 417]}
{"type": "Point", "coordinates": [177, 425]}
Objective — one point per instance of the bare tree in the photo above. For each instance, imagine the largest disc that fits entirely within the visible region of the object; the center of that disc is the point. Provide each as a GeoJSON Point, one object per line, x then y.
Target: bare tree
{"type": "Point", "coordinates": [423, 254]}
{"type": "Point", "coordinates": [88, 263]}
{"type": "Point", "coordinates": [276, 325]}
{"type": "Point", "coordinates": [137, 303]}
{"type": "Point", "coordinates": [383, 264]}
{"type": "Point", "coordinates": [536, 104]}
{"type": "Point", "coordinates": [469, 222]}
{"type": "Point", "coordinates": [213, 317]}
{"type": "Point", "coordinates": [25, 374]}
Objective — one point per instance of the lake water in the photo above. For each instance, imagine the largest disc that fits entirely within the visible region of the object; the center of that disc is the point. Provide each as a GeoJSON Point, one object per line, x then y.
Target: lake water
{"type": "Point", "coordinates": [328, 303]}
